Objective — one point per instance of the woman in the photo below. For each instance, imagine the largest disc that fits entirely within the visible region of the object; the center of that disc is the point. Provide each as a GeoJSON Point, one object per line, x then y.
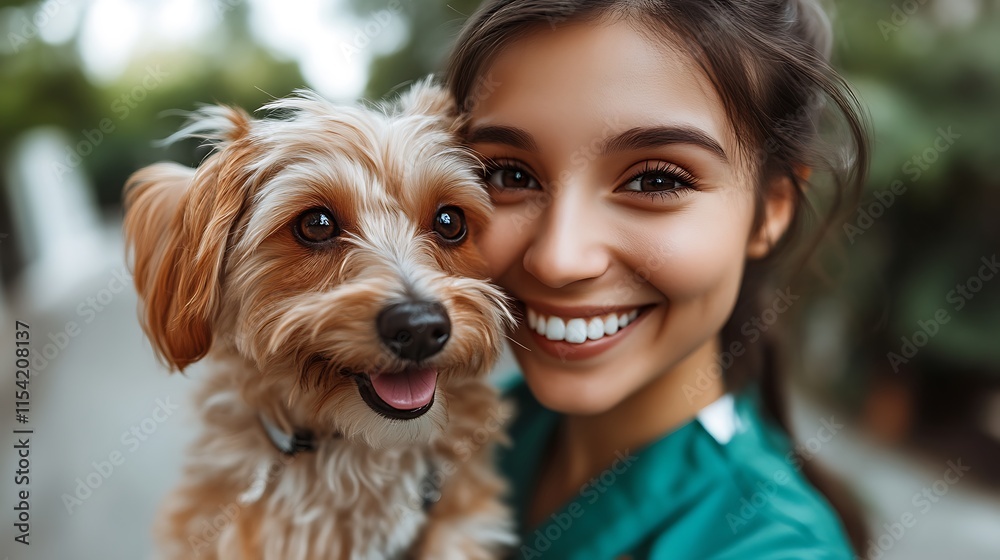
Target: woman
{"type": "Point", "coordinates": [648, 161]}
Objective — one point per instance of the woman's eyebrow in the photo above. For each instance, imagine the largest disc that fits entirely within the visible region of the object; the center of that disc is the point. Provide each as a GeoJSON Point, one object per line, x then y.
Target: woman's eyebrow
{"type": "Point", "coordinates": [632, 139]}
{"type": "Point", "coordinates": [508, 135]}
{"type": "Point", "coordinates": [655, 136]}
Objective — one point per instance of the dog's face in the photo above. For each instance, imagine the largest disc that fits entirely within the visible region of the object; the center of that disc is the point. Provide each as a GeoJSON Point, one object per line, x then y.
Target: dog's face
{"type": "Point", "coordinates": [333, 246]}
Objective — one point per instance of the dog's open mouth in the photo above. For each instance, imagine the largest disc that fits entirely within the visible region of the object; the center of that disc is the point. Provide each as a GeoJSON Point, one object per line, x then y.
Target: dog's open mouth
{"type": "Point", "coordinates": [401, 396]}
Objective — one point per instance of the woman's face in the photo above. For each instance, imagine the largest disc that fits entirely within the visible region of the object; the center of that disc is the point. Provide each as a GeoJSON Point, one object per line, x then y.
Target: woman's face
{"type": "Point", "coordinates": [623, 209]}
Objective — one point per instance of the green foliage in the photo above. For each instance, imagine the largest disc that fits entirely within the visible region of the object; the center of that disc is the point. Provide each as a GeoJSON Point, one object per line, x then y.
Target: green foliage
{"type": "Point", "coordinates": [434, 26]}
{"type": "Point", "coordinates": [49, 88]}
{"type": "Point", "coordinates": [918, 78]}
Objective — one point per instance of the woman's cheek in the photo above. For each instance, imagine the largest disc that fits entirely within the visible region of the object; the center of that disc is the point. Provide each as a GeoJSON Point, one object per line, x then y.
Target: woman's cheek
{"type": "Point", "coordinates": [688, 258]}
{"type": "Point", "coordinates": [502, 242]}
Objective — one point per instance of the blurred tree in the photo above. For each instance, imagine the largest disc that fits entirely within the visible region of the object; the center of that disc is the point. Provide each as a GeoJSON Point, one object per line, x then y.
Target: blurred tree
{"type": "Point", "coordinates": [931, 83]}
{"type": "Point", "coordinates": [433, 27]}
{"type": "Point", "coordinates": [52, 90]}
{"type": "Point", "coordinates": [44, 85]}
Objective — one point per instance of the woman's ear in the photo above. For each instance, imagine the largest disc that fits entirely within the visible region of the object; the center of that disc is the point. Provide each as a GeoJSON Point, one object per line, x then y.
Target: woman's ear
{"type": "Point", "coordinates": [778, 209]}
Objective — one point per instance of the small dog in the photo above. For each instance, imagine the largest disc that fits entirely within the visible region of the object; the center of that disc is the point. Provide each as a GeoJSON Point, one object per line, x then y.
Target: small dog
{"type": "Point", "coordinates": [324, 258]}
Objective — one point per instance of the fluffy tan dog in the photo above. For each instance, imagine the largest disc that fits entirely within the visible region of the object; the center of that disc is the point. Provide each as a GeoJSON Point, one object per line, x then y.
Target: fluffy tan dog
{"type": "Point", "coordinates": [323, 258]}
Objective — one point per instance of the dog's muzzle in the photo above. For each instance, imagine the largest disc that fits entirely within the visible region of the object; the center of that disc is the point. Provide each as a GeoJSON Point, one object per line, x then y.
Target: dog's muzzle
{"type": "Point", "coordinates": [413, 331]}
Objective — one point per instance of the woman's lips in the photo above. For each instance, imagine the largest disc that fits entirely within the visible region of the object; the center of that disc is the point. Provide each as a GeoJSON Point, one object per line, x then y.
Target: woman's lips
{"type": "Point", "coordinates": [591, 347]}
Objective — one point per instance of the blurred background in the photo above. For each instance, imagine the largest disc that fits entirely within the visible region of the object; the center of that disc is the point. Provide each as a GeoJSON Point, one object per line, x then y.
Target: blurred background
{"type": "Point", "coordinates": [902, 349]}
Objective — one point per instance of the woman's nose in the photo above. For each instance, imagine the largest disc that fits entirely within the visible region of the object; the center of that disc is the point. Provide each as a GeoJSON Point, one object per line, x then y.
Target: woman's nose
{"type": "Point", "coordinates": [570, 242]}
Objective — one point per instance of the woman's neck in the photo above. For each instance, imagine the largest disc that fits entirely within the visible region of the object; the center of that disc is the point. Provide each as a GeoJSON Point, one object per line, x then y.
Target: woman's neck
{"type": "Point", "coordinates": [585, 445]}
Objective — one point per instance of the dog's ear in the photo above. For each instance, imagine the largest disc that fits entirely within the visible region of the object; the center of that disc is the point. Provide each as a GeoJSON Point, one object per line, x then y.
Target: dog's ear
{"type": "Point", "coordinates": [177, 225]}
{"type": "Point", "coordinates": [428, 98]}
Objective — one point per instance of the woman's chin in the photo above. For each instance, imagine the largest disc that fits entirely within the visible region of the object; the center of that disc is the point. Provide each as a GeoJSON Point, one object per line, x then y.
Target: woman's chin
{"type": "Point", "coordinates": [574, 393]}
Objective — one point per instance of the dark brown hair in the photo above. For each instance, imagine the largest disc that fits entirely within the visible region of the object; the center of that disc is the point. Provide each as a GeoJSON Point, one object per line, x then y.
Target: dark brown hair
{"type": "Point", "coordinates": [793, 115]}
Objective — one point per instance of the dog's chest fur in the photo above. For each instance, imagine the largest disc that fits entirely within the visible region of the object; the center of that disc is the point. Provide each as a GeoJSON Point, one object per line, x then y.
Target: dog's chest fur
{"type": "Point", "coordinates": [241, 498]}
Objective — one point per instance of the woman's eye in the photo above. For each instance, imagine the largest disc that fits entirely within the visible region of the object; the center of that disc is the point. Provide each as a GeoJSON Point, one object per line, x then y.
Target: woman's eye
{"type": "Point", "coordinates": [316, 226]}
{"type": "Point", "coordinates": [449, 223]}
{"type": "Point", "coordinates": [510, 178]}
{"type": "Point", "coordinates": [661, 179]}
{"type": "Point", "coordinates": [657, 181]}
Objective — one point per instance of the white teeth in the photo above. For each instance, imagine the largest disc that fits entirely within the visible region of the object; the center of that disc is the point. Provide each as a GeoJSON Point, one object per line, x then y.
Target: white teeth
{"type": "Point", "coordinates": [595, 328]}
{"type": "Point", "coordinates": [555, 329]}
{"type": "Point", "coordinates": [611, 324]}
{"type": "Point", "coordinates": [578, 331]}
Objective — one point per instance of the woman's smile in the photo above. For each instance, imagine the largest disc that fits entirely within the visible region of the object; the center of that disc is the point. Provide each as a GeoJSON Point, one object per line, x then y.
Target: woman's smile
{"type": "Point", "coordinates": [578, 332]}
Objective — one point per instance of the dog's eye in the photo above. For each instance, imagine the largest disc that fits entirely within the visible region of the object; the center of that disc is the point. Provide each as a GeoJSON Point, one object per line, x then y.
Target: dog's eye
{"type": "Point", "coordinates": [316, 226]}
{"type": "Point", "coordinates": [450, 223]}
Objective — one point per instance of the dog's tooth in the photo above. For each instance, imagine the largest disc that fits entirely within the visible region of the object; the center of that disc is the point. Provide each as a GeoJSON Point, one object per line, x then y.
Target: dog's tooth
{"type": "Point", "coordinates": [595, 328]}
{"type": "Point", "coordinates": [633, 315]}
{"type": "Point", "coordinates": [532, 318]}
{"type": "Point", "coordinates": [540, 323]}
{"type": "Point", "coordinates": [576, 331]}
{"type": "Point", "coordinates": [555, 329]}
{"type": "Point", "coordinates": [623, 320]}
{"type": "Point", "coordinates": [611, 324]}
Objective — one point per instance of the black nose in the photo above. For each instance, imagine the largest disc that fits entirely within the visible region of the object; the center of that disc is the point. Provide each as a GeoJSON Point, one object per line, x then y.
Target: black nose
{"type": "Point", "coordinates": [414, 330]}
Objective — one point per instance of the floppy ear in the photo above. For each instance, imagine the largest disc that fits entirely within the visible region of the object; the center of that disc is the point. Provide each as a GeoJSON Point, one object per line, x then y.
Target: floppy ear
{"type": "Point", "coordinates": [177, 223]}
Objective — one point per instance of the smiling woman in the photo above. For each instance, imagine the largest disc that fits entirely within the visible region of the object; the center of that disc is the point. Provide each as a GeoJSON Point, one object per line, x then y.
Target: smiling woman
{"type": "Point", "coordinates": [647, 161]}
{"type": "Point", "coordinates": [668, 190]}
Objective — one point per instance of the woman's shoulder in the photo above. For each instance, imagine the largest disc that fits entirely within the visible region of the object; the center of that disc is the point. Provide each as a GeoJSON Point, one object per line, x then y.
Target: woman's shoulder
{"type": "Point", "coordinates": [725, 485]}
{"type": "Point", "coordinates": [758, 502]}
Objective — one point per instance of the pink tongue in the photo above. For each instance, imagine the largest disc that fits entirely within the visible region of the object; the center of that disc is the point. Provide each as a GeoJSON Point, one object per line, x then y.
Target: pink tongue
{"type": "Point", "coordinates": [410, 389]}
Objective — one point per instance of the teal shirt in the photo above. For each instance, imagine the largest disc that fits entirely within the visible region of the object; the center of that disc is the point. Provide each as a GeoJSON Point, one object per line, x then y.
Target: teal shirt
{"type": "Point", "coordinates": [737, 494]}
